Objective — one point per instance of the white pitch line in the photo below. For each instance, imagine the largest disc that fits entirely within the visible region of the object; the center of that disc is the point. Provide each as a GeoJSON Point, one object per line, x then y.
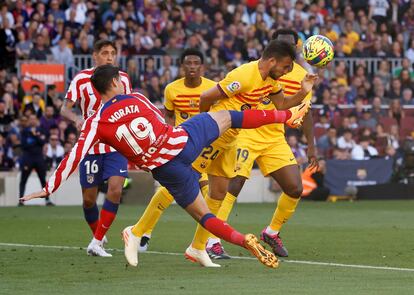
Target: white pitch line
{"type": "Point", "coordinates": [234, 257]}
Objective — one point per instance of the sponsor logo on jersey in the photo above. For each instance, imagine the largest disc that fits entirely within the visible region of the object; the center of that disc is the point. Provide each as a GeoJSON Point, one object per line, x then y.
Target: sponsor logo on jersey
{"type": "Point", "coordinates": [234, 86]}
{"type": "Point", "coordinates": [184, 115]}
{"type": "Point", "coordinates": [246, 106]}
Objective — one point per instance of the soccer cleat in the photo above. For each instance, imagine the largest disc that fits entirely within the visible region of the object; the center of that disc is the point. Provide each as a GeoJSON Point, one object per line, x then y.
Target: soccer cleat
{"type": "Point", "coordinates": [49, 203]}
{"type": "Point", "coordinates": [199, 256]}
{"type": "Point", "coordinates": [104, 241]}
{"type": "Point", "coordinates": [275, 242]}
{"type": "Point", "coordinates": [144, 243]}
{"type": "Point", "coordinates": [217, 252]}
{"type": "Point", "coordinates": [95, 248]}
{"type": "Point", "coordinates": [298, 112]}
{"type": "Point", "coordinates": [131, 244]}
{"type": "Point", "coordinates": [266, 257]}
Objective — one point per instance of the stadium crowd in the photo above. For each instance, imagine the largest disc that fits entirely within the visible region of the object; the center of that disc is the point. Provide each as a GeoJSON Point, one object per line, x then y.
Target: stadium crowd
{"type": "Point", "coordinates": [374, 121]}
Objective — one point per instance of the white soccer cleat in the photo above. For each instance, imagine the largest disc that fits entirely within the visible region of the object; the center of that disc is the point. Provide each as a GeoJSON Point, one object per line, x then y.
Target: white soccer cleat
{"type": "Point", "coordinates": [105, 241]}
{"type": "Point", "coordinates": [131, 244]}
{"type": "Point", "coordinates": [199, 256]}
{"type": "Point", "coordinates": [95, 248]}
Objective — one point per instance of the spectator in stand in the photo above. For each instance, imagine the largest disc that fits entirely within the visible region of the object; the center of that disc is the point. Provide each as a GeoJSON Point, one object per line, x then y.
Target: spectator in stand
{"type": "Point", "coordinates": [48, 119]}
{"type": "Point", "coordinates": [167, 65]}
{"type": "Point", "coordinates": [149, 71]}
{"type": "Point", "coordinates": [367, 121]}
{"type": "Point", "coordinates": [39, 51]}
{"type": "Point", "coordinates": [327, 142]}
{"type": "Point", "coordinates": [363, 150]}
{"type": "Point", "coordinates": [54, 152]}
{"type": "Point", "coordinates": [23, 46]}
{"type": "Point", "coordinates": [346, 141]}
{"type": "Point", "coordinates": [33, 140]}
{"type": "Point", "coordinates": [36, 106]}
{"type": "Point", "coordinates": [359, 108]}
{"type": "Point", "coordinates": [384, 72]}
{"type": "Point", "coordinates": [62, 54]}
{"type": "Point", "coordinates": [5, 120]}
{"type": "Point", "coordinates": [313, 183]}
{"type": "Point", "coordinates": [155, 91]}
{"type": "Point", "coordinates": [78, 8]}
{"type": "Point", "coordinates": [395, 110]}
{"type": "Point", "coordinates": [6, 156]}
{"type": "Point", "coordinates": [407, 97]}
{"type": "Point", "coordinates": [376, 111]}
{"type": "Point", "coordinates": [332, 109]}
{"type": "Point", "coordinates": [406, 64]}
{"type": "Point", "coordinates": [406, 80]}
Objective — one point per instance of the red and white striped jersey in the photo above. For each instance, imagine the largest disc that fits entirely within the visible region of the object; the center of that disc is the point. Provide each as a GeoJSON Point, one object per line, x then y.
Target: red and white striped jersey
{"type": "Point", "coordinates": [82, 92]}
{"type": "Point", "coordinates": [134, 127]}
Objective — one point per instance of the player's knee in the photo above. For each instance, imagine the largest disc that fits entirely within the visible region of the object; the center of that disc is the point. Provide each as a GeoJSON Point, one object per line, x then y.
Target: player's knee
{"type": "Point", "coordinates": [114, 191]}
{"type": "Point", "coordinates": [236, 185]}
{"type": "Point", "coordinates": [294, 191]}
{"type": "Point", "coordinates": [88, 203]}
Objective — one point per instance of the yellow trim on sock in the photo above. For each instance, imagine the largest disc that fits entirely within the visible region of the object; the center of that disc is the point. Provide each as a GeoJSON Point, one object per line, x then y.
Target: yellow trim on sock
{"type": "Point", "coordinates": [285, 208]}
{"type": "Point", "coordinates": [201, 235]}
{"type": "Point", "coordinates": [159, 202]}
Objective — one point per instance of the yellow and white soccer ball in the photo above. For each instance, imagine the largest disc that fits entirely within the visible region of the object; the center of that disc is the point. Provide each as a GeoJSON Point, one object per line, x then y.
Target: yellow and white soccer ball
{"type": "Point", "coordinates": [318, 51]}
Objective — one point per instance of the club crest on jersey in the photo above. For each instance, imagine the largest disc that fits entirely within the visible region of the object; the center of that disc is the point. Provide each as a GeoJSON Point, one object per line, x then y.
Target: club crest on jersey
{"type": "Point", "coordinates": [203, 164]}
{"type": "Point", "coordinates": [265, 100]}
{"type": "Point", "coordinates": [234, 86]}
{"type": "Point", "coordinates": [184, 115]}
{"type": "Point", "coordinates": [246, 106]}
{"type": "Point", "coordinates": [90, 178]}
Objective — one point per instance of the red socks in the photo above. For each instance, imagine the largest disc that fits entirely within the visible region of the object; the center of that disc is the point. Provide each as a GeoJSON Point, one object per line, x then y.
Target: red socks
{"type": "Point", "coordinates": [108, 214]}
{"type": "Point", "coordinates": [222, 230]}
{"type": "Point", "coordinates": [250, 119]}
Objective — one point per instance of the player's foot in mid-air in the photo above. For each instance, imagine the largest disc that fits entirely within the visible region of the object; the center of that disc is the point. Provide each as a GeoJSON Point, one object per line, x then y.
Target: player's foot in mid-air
{"type": "Point", "coordinates": [266, 257]}
{"type": "Point", "coordinates": [275, 242]}
{"type": "Point", "coordinates": [216, 251]}
{"type": "Point", "coordinates": [199, 256]}
{"type": "Point", "coordinates": [95, 248]}
{"type": "Point", "coordinates": [298, 112]}
{"type": "Point", "coordinates": [131, 245]}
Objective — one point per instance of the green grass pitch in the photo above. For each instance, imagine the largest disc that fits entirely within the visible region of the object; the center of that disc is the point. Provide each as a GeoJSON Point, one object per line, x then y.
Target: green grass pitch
{"type": "Point", "coordinates": [379, 234]}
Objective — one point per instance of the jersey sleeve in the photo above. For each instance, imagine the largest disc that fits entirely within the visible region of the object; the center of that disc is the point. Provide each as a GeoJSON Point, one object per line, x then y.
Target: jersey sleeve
{"type": "Point", "coordinates": [169, 99]}
{"type": "Point", "coordinates": [70, 162]}
{"type": "Point", "coordinates": [127, 83]}
{"type": "Point", "coordinates": [73, 92]}
{"type": "Point", "coordinates": [235, 82]}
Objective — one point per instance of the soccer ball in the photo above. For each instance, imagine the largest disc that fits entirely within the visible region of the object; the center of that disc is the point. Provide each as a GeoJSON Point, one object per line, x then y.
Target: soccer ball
{"type": "Point", "coordinates": [318, 51]}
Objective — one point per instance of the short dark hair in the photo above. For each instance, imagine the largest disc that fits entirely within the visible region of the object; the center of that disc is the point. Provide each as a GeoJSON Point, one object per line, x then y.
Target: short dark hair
{"type": "Point", "coordinates": [279, 32]}
{"type": "Point", "coordinates": [102, 77]}
{"type": "Point", "coordinates": [279, 49]}
{"type": "Point", "coordinates": [98, 45]}
{"type": "Point", "coordinates": [192, 51]}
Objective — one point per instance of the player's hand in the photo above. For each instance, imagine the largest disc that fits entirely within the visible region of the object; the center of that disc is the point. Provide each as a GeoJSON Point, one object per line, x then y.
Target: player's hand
{"type": "Point", "coordinates": [312, 158]}
{"type": "Point", "coordinates": [79, 124]}
{"type": "Point", "coordinates": [308, 82]}
{"type": "Point", "coordinates": [41, 194]}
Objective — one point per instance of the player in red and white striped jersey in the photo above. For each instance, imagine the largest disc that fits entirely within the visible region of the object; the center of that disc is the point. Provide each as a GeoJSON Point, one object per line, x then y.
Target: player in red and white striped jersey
{"type": "Point", "coordinates": [136, 128]}
{"type": "Point", "coordinates": [103, 162]}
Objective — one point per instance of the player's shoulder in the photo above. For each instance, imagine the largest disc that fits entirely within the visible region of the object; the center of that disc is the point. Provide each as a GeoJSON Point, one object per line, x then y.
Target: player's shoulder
{"type": "Point", "coordinates": [208, 82]}
{"type": "Point", "coordinates": [179, 83]}
{"type": "Point", "coordinates": [87, 73]}
{"type": "Point", "coordinates": [123, 74]}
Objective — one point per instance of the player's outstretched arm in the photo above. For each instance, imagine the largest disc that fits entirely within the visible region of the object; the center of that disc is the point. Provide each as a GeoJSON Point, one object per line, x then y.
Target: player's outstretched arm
{"type": "Point", "coordinates": [283, 102]}
{"type": "Point", "coordinates": [70, 162]}
{"type": "Point", "coordinates": [210, 96]}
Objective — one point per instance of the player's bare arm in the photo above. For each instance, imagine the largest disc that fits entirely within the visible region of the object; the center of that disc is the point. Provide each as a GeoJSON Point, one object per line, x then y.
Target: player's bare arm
{"type": "Point", "coordinates": [310, 138]}
{"type": "Point", "coordinates": [209, 97]}
{"type": "Point", "coordinates": [66, 112]}
{"type": "Point", "coordinates": [169, 117]}
{"type": "Point", "coordinates": [283, 102]}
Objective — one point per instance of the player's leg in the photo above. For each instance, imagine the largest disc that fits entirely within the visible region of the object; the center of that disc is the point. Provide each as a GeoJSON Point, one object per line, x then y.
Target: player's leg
{"type": "Point", "coordinates": [89, 176]}
{"type": "Point", "coordinates": [290, 181]}
{"type": "Point", "coordinates": [25, 170]}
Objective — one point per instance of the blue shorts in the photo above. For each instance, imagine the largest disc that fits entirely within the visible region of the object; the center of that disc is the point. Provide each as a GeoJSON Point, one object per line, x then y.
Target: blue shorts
{"type": "Point", "coordinates": [95, 169]}
{"type": "Point", "coordinates": [178, 175]}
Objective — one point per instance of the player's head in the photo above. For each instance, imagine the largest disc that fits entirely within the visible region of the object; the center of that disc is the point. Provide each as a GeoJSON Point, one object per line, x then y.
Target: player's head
{"type": "Point", "coordinates": [107, 81]}
{"type": "Point", "coordinates": [192, 61]}
{"type": "Point", "coordinates": [287, 35]}
{"type": "Point", "coordinates": [104, 52]}
{"type": "Point", "coordinates": [278, 56]}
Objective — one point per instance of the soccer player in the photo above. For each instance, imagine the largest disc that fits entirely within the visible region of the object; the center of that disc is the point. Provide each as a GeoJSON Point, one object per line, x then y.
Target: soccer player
{"type": "Point", "coordinates": [274, 158]}
{"type": "Point", "coordinates": [243, 88]}
{"type": "Point", "coordinates": [103, 162]}
{"type": "Point", "coordinates": [136, 128]}
{"type": "Point", "coordinates": [181, 103]}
